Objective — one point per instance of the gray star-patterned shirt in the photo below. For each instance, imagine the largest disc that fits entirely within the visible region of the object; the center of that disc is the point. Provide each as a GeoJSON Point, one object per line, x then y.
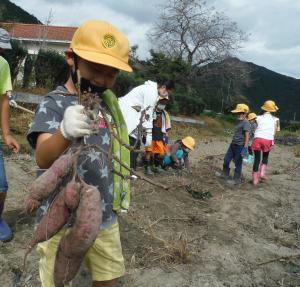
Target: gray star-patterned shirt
{"type": "Point", "coordinates": [93, 168]}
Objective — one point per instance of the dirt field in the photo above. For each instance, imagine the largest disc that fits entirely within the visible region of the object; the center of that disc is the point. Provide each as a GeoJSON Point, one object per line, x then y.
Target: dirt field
{"type": "Point", "coordinates": [183, 237]}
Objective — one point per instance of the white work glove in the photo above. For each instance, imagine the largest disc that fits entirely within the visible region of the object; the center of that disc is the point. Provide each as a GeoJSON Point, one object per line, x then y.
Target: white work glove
{"type": "Point", "coordinates": [13, 103]}
{"type": "Point", "coordinates": [75, 123]}
{"type": "Point", "coordinates": [148, 139]}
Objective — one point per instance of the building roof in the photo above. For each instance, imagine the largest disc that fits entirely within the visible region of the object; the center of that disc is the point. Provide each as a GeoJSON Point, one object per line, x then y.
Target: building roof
{"type": "Point", "coordinates": [37, 32]}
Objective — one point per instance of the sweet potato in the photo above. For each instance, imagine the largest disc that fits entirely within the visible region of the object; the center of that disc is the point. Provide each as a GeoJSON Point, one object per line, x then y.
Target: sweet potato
{"type": "Point", "coordinates": [45, 184]}
{"type": "Point", "coordinates": [73, 247]}
{"type": "Point", "coordinates": [72, 194]}
{"type": "Point", "coordinates": [55, 218]}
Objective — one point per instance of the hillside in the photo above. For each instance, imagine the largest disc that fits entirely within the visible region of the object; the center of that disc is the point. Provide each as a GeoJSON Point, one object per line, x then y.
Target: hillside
{"type": "Point", "coordinates": [9, 12]}
{"type": "Point", "coordinates": [247, 81]}
{"type": "Point", "coordinates": [266, 84]}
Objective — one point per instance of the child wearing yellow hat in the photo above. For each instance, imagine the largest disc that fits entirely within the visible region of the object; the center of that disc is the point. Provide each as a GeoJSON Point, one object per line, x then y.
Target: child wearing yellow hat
{"type": "Point", "coordinates": [253, 125]}
{"type": "Point", "coordinates": [238, 147]}
{"type": "Point", "coordinates": [98, 51]}
{"type": "Point", "coordinates": [263, 140]}
{"type": "Point", "coordinates": [178, 155]}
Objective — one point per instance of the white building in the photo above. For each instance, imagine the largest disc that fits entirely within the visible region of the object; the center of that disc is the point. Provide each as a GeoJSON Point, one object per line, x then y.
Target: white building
{"type": "Point", "coordinates": [35, 36]}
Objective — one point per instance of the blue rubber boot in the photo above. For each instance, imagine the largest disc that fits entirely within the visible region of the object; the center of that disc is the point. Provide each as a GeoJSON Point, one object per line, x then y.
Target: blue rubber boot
{"type": "Point", "coordinates": [5, 231]}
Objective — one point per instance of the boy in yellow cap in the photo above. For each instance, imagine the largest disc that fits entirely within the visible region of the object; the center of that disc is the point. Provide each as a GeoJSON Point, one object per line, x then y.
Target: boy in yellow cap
{"type": "Point", "coordinates": [98, 51]}
{"type": "Point", "coordinates": [9, 140]}
{"type": "Point", "coordinates": [238, 147]}
{"type": "Point", "coordinates": [253, 125]}
{"type": "Point", "coordinates": [263, 140]}
{"type": "Point", "coordinates": [178, 155]}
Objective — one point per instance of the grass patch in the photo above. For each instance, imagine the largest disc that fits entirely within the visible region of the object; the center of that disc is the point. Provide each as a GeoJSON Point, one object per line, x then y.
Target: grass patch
{"type": "Point", "coordinates": [287, 133]}
{"type": "Point", "coordinates": [213, 127]}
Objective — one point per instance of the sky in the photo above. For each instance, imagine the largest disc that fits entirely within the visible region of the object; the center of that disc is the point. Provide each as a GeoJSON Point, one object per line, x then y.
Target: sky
{"type": "Point", "coordinates": [272, 25]}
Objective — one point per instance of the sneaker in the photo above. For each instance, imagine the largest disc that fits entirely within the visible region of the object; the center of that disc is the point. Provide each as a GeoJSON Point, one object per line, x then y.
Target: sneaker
{"type": "Point", "coordinates": [233, 181]}
{"type": "Point", "coordinates": [221, 175]}
{"type": "Point", "coordinates": [149, 171]}
{"type": "Point", "coordinates": [158, 169]}
{"type": "Point", "coordinates": [5, 231]}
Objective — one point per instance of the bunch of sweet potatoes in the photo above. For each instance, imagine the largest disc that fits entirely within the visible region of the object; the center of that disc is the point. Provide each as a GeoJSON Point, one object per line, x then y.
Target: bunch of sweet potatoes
{"type": "Point", "coordinates": [75, 197]}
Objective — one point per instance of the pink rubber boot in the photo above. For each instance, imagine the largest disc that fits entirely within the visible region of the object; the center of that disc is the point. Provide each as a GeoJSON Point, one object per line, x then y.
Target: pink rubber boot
{"type": "Point", "coordinates": [263, 170]}
{"type": "Point", "coordinates": [255, 178]}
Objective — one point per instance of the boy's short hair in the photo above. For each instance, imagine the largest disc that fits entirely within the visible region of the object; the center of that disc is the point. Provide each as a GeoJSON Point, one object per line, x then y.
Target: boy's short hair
{"type": "Point", "coordinates": [170, 85]}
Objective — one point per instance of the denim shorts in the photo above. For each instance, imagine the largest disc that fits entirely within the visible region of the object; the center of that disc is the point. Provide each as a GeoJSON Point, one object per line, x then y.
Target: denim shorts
{"type": "Point", "coordinates": [3, 181]}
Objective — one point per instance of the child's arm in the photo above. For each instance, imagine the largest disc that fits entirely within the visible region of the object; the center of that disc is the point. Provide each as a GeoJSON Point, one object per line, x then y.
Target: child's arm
{"type": "Point", "coordinates": [9, 140]}
{"type": "Point", "coordinates": [173, 150]}
{"type": "Point", "coordinates": [187, 163]}
{"type": "Point", "coordinates": [49, 147]}
{"type": "Point", "coordinates": [246, 138]}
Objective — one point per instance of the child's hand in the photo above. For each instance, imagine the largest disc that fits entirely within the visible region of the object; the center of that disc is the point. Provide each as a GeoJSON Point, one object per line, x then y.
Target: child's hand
{"type": "Point", "coordinates": [245, 152]}
{"type": "Point", "coordinates": [12, 144]}
{"type": "Point", "coordinates": [75, 123]}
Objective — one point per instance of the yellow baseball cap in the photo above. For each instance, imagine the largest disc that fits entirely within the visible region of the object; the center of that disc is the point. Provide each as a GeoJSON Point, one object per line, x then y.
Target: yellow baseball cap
{"type": "Point", "coordinates": [241, 108]}
{"type": "Point", "coordinates": [251, 116]}
{"type": "Point", "coordinates": [269, 106]}
{"type": "Point", "coordinates": [102, 43]}
{"type": "Point", "coordinates": [189, 142]}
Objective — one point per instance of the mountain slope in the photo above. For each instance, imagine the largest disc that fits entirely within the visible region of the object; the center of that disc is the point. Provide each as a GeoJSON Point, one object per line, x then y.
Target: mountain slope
{"type": "Point", "coordinates": [284, 90]}
{"type": "Point", "coordinates": [234, 80]}
{"type": "Point", "coordinates": [9, 12]}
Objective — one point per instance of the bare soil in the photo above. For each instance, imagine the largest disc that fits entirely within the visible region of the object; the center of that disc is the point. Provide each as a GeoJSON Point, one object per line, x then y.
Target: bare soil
{"type": "Point", "coordinates": [182, 236]}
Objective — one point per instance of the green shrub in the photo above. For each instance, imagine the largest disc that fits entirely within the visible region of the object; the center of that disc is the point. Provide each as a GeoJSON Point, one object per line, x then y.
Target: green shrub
{"type": "Point", "coordinates": [28, 67]}
{"type": "Point", "coordinates": [15, 57]}
{"type": "Point", "coordinates": [51, 69]}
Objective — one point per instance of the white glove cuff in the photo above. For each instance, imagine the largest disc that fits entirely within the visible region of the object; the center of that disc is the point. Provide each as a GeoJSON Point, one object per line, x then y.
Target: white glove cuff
{"type": "Point", "coordinates": [63, 132]}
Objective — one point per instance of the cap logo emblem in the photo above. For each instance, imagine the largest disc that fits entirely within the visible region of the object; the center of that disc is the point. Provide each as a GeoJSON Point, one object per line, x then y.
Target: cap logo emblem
{"type": "Point", "coordinates": [109, 41]}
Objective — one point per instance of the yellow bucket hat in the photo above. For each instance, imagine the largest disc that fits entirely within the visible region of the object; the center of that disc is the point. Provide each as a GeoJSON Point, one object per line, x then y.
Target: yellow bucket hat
{"type": "Point", "coordinates": [241, 108]}
{"type": "Point", "coordinates": [269, 106]}
{"type": "Point", "coordinates": [251, 116]}
{"type": "Point", "coordinates": [100, 42]}
{"type": "Point", "coordinates": [189, 142]}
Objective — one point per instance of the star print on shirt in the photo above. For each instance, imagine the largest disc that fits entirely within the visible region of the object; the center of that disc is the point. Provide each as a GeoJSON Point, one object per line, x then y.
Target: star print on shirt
{"type": "Point", "coordinates": [54, 124]}
{"type": "Point", "coordinates": [94, 155]}
{"type": "Point", "coordinates": [103, 205]}
{"type": "Point", "coordinates": [105, 139]}
{"type": "Point", "coordinates": [81, 171]}
{"type": "Point", "coordinates": [104, 172]}
{"type": "Point", "coordinates": [111, 189]}
{"type": "Point", "coordinates": [42, 108]}
{"type": "Point", "coordinates": [59, 104]}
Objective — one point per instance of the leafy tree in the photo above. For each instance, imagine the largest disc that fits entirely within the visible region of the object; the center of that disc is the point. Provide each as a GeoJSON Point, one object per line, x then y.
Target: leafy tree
{"type": "Point", "coordinates": [15, 58]}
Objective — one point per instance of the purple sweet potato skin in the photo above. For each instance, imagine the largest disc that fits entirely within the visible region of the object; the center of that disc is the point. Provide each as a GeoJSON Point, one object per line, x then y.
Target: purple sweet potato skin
{"type": "Point", "coordinates": [55, 218]}
{"type": "Point", "coordinates": [72, 194]}
{"type": "Point", "coordinates": [45, 184]}
{"type": "Point", "coordinates": [74, 245]}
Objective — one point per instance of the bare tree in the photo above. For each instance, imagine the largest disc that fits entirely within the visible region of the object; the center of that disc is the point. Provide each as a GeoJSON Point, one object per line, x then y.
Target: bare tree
{"type": "Point", "coordinates": [44, 30]}
{"type": "Point", "coordinates": [194, 32]}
